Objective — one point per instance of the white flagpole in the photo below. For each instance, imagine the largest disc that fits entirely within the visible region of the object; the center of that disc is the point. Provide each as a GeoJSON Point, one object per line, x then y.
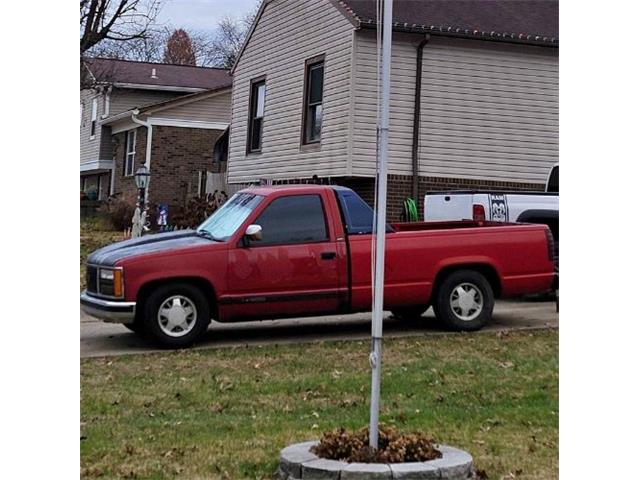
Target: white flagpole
{"type": "Point", "coordinates": [381, 227]}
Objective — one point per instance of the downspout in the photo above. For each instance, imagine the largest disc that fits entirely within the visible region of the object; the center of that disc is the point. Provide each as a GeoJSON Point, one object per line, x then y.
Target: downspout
{"type": "Point", "coordinates": [107, 111]}
{"type": "Point", "coordinates": [416, 121]}
{"type": "Point", "coordinates": [147, 153]}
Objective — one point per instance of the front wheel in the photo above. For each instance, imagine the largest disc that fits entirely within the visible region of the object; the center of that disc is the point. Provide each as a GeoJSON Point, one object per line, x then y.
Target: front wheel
{"type": "Point", "coordinates": [464, 301]}
{"type": "Point", "coordinates": [176, 315]}
{"type": "Point", "coordinates": [409, 313]}
{"type": "Point", "coordinates": [135, 327]}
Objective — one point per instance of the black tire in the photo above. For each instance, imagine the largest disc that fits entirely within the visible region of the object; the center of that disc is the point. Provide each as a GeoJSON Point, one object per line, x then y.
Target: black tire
{"type": "Point", "coordinates": [409, 313]}
{"type": "Point", "coordinates": [472, 282]}
{"type": "Point", "coordinates": [193, 299]}
{"type": "Point", "coordinates": [135, 327]}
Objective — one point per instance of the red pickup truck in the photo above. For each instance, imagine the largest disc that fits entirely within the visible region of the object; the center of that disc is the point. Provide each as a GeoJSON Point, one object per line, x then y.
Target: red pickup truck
{"type": "Point", "coordinates": [305, 250]}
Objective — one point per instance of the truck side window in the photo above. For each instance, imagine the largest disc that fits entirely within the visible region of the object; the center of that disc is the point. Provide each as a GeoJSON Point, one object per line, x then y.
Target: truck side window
{"type": "Point", "coordinates": [359, 215]}
{"type": "Point", "coordinates": [293, 219]}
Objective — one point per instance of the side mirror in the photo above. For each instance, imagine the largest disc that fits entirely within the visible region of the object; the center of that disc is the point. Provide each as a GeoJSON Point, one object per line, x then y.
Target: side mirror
{"type": "Point", "coordinates": [253, 232]}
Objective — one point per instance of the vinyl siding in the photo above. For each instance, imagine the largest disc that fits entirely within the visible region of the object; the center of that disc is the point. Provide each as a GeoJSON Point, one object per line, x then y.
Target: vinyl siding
{"type": "Point", "coordinates": [288, 33]}
{"type": "Point", "coordinates": [100, 147]}
{"type": "Point", "coordinates": [216, 108]}
{"type": "Point", "coordinates": [123, 99]}
{"type": "Point", "coordinates": [401, 106]}
{"type": "Point", "coordinates": [489, 111]}
{"type": "Point", "coordinates": [90, 148]}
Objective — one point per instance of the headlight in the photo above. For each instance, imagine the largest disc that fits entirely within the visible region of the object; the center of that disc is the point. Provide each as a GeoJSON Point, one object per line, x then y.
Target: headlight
{"type": "Point", "coordinates": [106, 274]}
{"type": "Point", "coordinates": [110, 282]}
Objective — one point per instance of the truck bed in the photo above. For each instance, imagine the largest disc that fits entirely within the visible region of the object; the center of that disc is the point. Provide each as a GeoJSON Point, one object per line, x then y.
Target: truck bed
{"type": "Point", "coordinates": [445, 225]}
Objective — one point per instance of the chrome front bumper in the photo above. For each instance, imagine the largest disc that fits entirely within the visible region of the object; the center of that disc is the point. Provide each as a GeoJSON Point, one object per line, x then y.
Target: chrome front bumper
{"type": "Point", "coordinates": [108, 310]}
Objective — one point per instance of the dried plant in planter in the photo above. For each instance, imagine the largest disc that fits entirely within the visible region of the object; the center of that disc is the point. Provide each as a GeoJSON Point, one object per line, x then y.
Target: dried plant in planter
{"type": "Point", "coordinates": [393, 447]}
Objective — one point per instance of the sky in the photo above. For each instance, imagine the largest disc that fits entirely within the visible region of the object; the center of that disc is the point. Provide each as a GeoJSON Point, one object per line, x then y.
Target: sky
{"type": "Point", "coordinates": [202, 14]}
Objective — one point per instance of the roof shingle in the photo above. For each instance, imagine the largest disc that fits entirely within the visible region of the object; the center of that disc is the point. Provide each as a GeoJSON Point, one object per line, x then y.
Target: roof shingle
{"type": "Point", "coordinates": [534, 21]}
{"type": "Point", "coordinates": [141, 73]}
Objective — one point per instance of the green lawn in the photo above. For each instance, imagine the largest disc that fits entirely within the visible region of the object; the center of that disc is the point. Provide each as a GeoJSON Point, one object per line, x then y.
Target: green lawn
{"type": "Point", "coordinates": [225, 413]}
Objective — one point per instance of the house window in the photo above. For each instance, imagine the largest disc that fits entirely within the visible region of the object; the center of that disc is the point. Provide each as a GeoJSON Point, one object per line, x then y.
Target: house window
{"type": "Point", "coordinates": [130, 153]}
{"type": "Point", "coordinates": [256, 115]}
{"type": "Point", "coordinates": [312, 113]}
{"type": "Point", "coordinates": [94, 117]}
{"type": "Point", "coordinates": [202, 183]}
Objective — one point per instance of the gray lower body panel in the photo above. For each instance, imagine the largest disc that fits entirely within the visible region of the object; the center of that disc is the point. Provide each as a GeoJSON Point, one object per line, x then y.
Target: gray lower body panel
{"type": "Point", "coordinates": [108, 310]}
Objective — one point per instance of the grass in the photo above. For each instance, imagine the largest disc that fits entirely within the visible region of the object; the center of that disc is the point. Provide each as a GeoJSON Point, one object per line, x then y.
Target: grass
{"type": "Point", "coordinates": [225, 413]}
{"type": "Point", "coordinates": [95, 233]}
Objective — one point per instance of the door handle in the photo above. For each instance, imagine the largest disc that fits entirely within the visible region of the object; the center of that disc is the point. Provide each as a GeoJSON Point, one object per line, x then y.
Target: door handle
{"type": "Point", "coordinates": [328, 255]}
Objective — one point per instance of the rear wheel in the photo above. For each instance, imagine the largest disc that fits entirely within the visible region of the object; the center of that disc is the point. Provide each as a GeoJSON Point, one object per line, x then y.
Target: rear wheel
{"type": "Point", "coordinates": [464, 301]}
{"type": "Point", "coordinates": [409, 313]}
{"type": "Point", "coordinates": [176, 315]}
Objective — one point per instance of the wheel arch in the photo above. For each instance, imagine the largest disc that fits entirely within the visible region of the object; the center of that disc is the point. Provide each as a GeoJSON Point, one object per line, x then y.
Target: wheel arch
{"type": "Point", "coordinates": [485, 269]}
{"type": "Point", "coordinates": [550, 218]}
{"type": "Point", "coordinates": [202, 283]}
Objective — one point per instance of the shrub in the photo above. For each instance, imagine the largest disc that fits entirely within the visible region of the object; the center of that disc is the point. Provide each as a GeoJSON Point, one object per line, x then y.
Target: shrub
{"type": "Point", "coordinates": [197, 210]}
{"type": "Point", "coordinates": [393, 447]}
{"type": "Point", "coordinates": [119, 210]}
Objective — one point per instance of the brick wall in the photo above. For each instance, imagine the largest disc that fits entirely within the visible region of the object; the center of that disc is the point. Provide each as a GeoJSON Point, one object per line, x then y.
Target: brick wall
{"type": "Point", "coordinates": [177, 155]}
{"type": "Point", "coordinates": [399, 189]}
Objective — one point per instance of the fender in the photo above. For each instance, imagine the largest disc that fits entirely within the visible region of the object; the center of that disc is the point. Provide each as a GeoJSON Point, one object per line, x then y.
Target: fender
{"type": "Point", "coordinates": [468, 261]}
{"type": "Point", "coordinates": [133, 290]}
{"type": "Point", "coordinates": [536, 214]}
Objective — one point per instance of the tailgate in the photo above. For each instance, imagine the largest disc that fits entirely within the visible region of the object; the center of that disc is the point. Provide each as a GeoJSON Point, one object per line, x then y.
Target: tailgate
{"type": "Point", "coordinates": [448, 206]}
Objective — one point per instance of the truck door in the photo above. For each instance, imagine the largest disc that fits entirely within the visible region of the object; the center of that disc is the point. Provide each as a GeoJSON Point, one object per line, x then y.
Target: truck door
{"type": "Point", "coordinates": [293, 270]}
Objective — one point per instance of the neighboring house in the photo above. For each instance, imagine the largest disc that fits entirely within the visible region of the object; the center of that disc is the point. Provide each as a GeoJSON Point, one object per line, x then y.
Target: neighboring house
{"type": "Point", "coordinates": [187, 110]}
{"type": "Point", "coordinates": [485, 73]}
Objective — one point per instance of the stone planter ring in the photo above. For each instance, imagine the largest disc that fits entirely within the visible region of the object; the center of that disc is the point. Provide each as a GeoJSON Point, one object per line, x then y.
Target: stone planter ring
{"type": "Point", "coordinates": [298, 463]}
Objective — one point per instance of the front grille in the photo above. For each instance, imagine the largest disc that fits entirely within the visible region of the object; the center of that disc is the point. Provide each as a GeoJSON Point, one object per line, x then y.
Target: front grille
{"type": "Point", "coordinates": [92, 279]}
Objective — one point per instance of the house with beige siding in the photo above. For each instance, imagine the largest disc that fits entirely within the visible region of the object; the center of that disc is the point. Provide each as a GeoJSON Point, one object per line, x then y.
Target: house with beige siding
{"type": "Point", "coordinates": [172, 118]}
{"type": "Point", "coordinates": [474, 96]}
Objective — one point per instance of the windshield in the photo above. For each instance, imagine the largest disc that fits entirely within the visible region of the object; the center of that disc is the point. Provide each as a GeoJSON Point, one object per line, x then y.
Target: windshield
{"type": "Point", "coordinates": [226, 220]}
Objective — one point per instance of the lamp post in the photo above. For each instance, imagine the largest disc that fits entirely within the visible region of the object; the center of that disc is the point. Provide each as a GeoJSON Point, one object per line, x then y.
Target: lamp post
{"type": "Point", "coordinates": [142, 180]}
{"type": "Point", "coordinates": [140, 215]}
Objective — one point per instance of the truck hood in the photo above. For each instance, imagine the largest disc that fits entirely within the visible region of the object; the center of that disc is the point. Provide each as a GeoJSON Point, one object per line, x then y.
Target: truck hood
{"type": "Point", "coordinates": [111, 254]}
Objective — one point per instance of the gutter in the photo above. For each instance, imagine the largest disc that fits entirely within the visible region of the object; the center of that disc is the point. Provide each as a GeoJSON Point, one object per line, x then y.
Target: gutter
{"type": "Point", "coordinates": [523, 39]}
{"type": "Point", "coordinates": [163, 88]}
{"type": "Point", "coordinates": [117, 117]}
{"type": "Point", "coordinates": [147, 153]}
{"type": "Point", "coordinates": [416, 120]}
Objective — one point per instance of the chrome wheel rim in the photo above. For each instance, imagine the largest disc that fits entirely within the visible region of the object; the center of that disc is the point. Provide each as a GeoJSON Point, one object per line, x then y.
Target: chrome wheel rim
{"type": "Point", "coordinates": [466, 301]}
{"type": "Point", "coordinates": [177, 316]}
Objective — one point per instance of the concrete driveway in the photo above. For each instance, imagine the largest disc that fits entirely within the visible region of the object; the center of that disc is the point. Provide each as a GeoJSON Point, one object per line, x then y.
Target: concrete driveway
{"type": "Point", "coordinates": [99, 339]}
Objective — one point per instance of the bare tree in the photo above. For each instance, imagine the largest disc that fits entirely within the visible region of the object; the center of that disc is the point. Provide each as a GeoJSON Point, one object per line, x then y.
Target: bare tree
{"type": "Point", "coordinates": [228, 41]}
{"type": "Point", "coordinates": [179, 49]}
{"type": "Point", "coordinates": [148, 49]}
{"type": "Point", "coordinates": [152, 47]}
{"type": "Point", "coordinates": [217, 49]}
{"type": "Point", "coordinates": [230, 37]}
{"type": "Point", "coordinates": [115, 20]}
